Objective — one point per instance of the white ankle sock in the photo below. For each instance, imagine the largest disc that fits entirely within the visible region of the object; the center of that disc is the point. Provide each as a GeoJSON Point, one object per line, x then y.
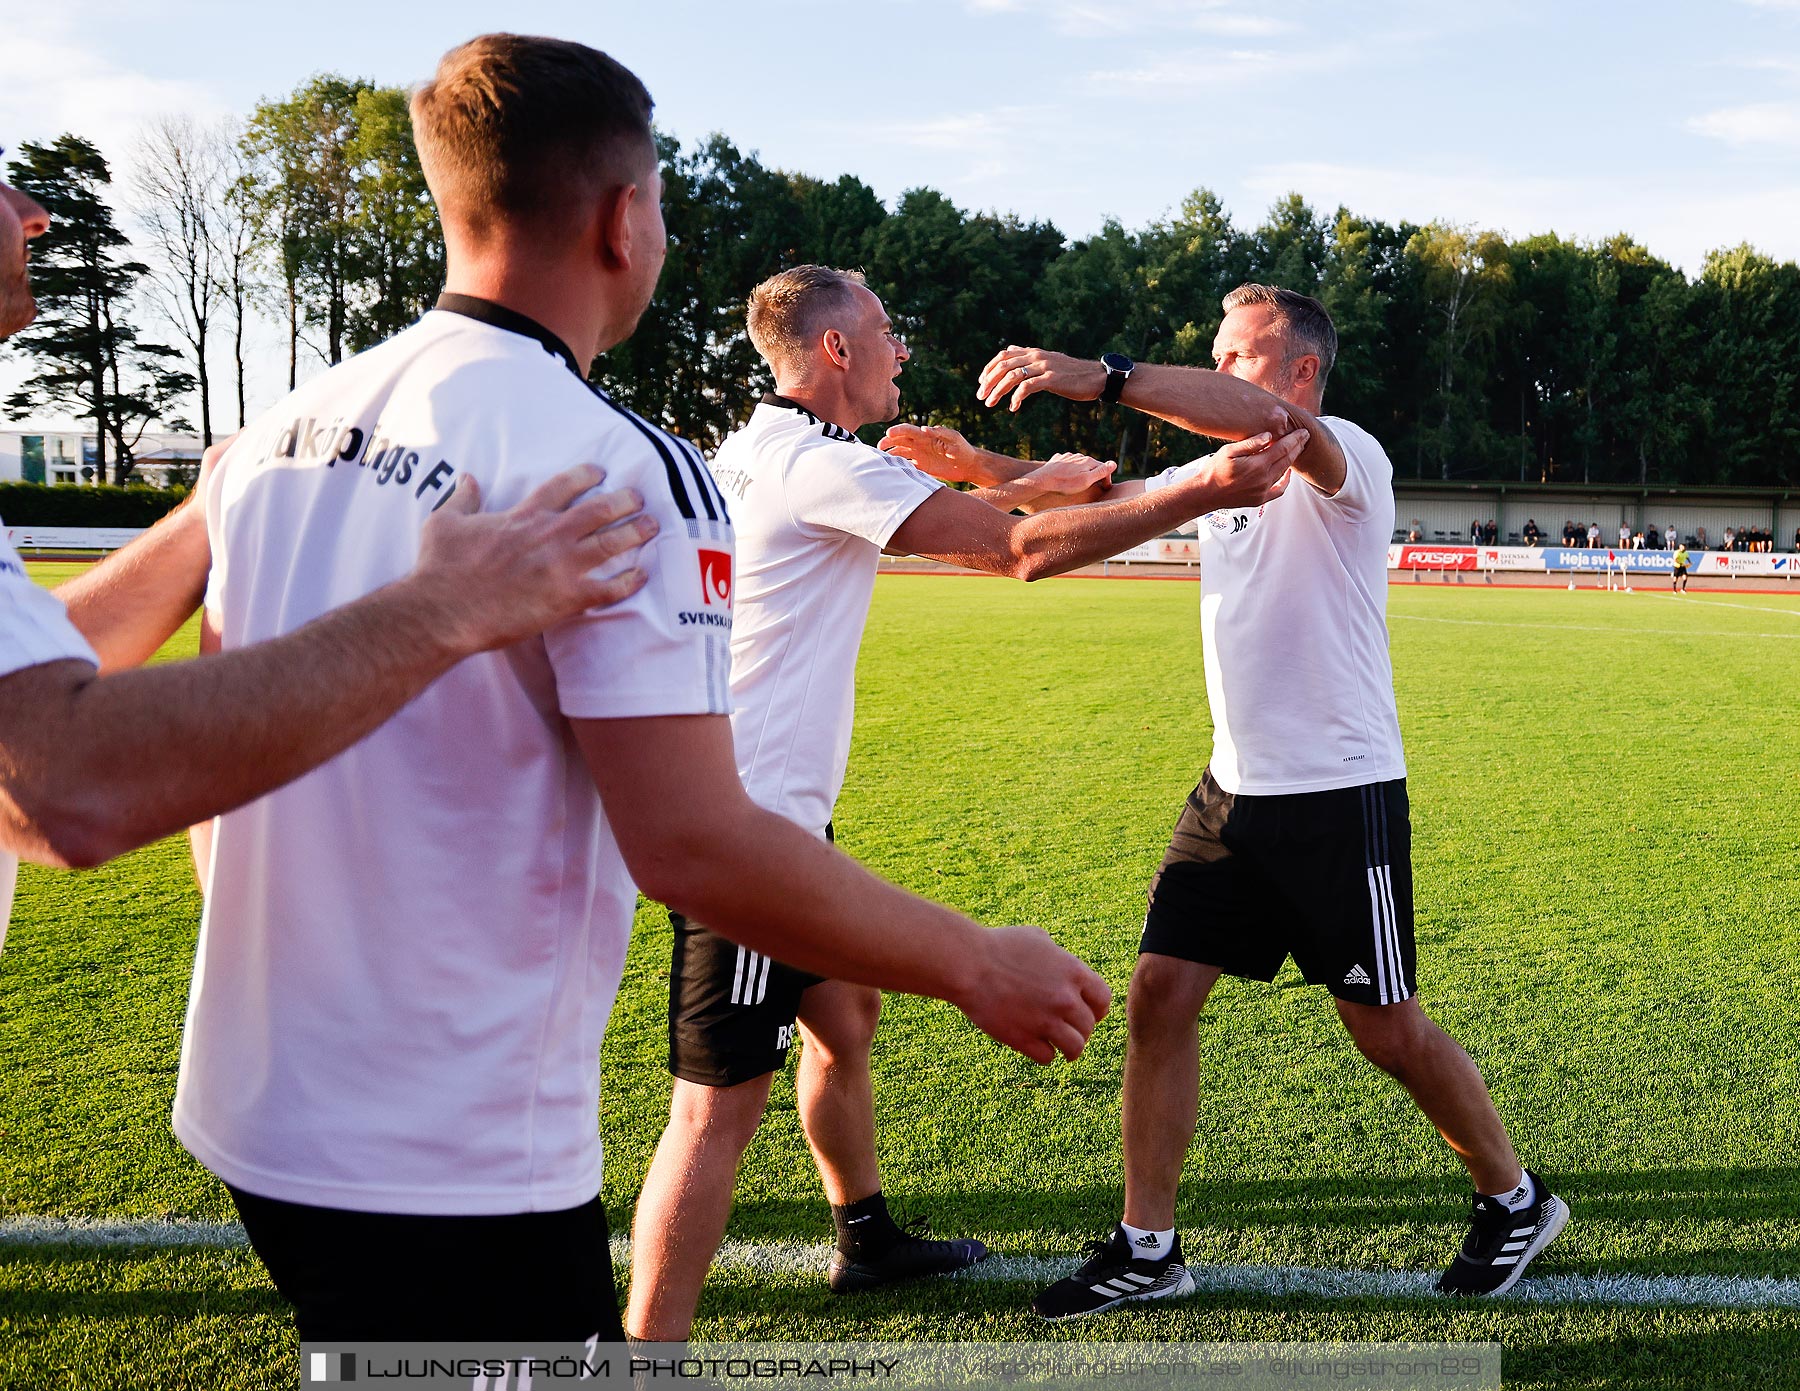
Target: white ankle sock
{"type": "Point", "coordinates": [1148, 1245]}
{"type": "Point", "coordinates": [1519, 1198]}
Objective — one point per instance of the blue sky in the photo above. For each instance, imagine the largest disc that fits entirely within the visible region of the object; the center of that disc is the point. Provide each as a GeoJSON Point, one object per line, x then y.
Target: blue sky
{"type": "Point", "coordinates": [1677, 123]}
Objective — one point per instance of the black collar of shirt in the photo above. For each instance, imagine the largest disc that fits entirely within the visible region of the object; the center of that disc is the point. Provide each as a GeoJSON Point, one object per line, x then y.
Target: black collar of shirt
{"type": "Point", "coordinates": [770, 398]}
{"type": "Point", "coordinates": [499, 316]}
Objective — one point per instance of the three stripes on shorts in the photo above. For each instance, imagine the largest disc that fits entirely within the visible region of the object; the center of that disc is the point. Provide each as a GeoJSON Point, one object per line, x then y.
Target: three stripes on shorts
{"type": "Point", "coordinates": [750, 981]}
{"type": "Point", "coordinates": [1390, 969]}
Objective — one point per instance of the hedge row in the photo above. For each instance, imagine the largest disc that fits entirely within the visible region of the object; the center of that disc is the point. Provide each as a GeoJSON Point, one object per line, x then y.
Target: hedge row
{"type": "Point", "coordinates": [62, 504]}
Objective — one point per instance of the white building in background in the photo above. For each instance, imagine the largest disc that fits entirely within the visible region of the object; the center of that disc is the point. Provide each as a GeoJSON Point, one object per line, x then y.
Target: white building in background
{"type": "Point", "coordinates": [59, 453]}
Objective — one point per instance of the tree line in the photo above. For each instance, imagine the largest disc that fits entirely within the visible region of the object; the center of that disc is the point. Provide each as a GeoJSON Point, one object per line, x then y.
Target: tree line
{"type": "Point", "coordinates": [1469, 354]}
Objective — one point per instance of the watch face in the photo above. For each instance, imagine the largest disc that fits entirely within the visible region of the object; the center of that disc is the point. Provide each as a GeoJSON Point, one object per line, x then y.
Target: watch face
{"type": "Point", "coordinates": [1116, 362]}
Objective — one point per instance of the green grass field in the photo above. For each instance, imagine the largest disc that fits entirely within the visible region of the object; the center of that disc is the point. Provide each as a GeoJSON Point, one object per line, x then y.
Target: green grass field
{"type": "Point", "coordinates": [1606, 833]}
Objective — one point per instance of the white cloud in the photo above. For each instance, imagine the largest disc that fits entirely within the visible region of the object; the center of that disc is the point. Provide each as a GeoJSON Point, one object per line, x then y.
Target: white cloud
{"type": "Point", "coordinates": [1106, 18]}
{"type": "Point", "coordinates": [1679, 220]}
{"type": "Point", "coordinates": [54, 86]}
{"type": "Point", "coordinates": [1787, 67]}
{"type": "Point", "coordinates": [1209, 70]}
{"type": "Point", "coordinates": [972, 131]}
{"type": "Point", "coordinates": [1758, 123]}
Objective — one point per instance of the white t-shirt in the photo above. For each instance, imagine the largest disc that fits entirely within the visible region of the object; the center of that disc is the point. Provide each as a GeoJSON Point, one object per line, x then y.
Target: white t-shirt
{"type": "Point", "coordinates": [34, 629]}
{"type": "Point", "coordinates": [1293, 619]}
{"type": "Point", "coordinates": [813, 507]}
{"type": "Point", "coordinates": [408, 955]}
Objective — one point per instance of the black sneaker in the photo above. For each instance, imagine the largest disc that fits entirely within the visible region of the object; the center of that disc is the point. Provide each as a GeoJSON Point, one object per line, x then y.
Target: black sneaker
{"type": "Point", "coordinates": [914, 1255]}
{"type": "Point", "coordinates": [1114, 1276]}
{"type": "Point", "coordinates": [1501, 1243]}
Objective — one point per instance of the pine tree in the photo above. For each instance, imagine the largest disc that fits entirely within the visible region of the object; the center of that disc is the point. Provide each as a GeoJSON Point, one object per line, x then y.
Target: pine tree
{"type": "Point", "coordinates": [88, 356]}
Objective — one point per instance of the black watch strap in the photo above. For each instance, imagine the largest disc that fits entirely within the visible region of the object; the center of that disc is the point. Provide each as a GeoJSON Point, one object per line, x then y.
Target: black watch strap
{"type": "Point", "coordinates": [1118, 370]}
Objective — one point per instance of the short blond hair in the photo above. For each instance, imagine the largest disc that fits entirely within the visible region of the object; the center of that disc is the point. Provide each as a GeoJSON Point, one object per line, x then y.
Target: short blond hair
{"type": "Point", "coordinates": [789, 311]}
{"type": "Point", "coordinates": [524, 130]}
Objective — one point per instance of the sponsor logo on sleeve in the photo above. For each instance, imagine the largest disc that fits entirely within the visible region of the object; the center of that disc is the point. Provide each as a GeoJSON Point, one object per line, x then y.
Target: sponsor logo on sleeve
{"type": "Point", "coordinates": [715, 578]}
{"type": "Point", "coordinates": [715, 591]}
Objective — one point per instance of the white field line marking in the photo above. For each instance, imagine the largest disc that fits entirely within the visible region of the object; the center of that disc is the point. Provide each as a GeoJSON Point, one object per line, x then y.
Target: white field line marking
{"type": "Point", "coordinates": [789, 1258]}
{"type": "Point", "coordinates": [1698, 597]}
{"type": "Point", "coordinates": [1590, 628]}
{"type": "Point", "coordinates": [97, 1233]}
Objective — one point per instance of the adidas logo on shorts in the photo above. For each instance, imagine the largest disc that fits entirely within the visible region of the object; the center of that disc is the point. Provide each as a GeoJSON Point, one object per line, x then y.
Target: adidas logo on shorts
{"type": "Point", "coordinates": [1357, 976]}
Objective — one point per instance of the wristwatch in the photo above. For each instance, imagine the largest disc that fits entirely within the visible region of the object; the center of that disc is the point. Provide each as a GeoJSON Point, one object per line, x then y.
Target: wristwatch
{"type": "Point", "coordinates": [1118, 368]}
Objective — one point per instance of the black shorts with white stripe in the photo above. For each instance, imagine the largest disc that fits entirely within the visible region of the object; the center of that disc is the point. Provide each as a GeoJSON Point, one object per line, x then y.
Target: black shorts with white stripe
{"type": "Point", "coordinates": [732, 1011]}
{"type": "Point", "coordinates": [1325, 877]}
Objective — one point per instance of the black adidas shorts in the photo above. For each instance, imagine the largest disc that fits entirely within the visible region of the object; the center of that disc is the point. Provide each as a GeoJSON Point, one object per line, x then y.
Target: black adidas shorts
{"type": "Point", "coordinates": [732, 1011]}
{"type": "Point", "coordinates": [1325, 877]}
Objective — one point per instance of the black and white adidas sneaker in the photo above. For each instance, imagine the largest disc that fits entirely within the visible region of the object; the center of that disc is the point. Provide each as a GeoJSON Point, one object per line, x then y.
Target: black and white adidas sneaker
{"type": "Point", "coordinates": [1501, 1242]}
{"type": "Point", "coordinates": [1114, 1275]}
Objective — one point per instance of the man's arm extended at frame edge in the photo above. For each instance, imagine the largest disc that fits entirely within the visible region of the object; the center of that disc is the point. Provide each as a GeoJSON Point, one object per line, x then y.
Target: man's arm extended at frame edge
{"type": "Point", "coordinates": [92, 766]}
{"type": "Point", "coordinates": [694, 840]}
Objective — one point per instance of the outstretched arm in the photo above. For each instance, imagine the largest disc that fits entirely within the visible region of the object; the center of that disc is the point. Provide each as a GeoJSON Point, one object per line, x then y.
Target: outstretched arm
{"type": "Point", "coordinates": [92, 766]}
{"type": "Point", "coordinates": [693, 840]}
{"type": "Point", "coordinates": [1005, 482]}
{"type": "Point", "coordinates": [1066, 480]}
{"type": "Point", "coordinates": [955, 527]}
{"type": "Point", "coordinates": [1195, 398]}
{"type": "Point", "coordinates": [944, 453]}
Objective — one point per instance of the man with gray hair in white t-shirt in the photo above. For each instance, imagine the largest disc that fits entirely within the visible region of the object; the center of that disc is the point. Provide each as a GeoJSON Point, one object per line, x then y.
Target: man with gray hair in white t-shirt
{"type": "Point", "coordinates": [813, 508]}
{"type": "Point", "coordinates": [1297, 839]}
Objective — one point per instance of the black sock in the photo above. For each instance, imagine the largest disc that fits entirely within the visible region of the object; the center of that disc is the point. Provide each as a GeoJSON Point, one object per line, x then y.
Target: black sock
{"type": "Point", "coordinates": [864, 1228]}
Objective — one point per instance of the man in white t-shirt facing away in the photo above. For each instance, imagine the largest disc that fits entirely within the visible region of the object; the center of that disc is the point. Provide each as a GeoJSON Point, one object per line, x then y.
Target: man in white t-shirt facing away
{"type": "Point", "coordinates": [96, 759]}
{"type": "Point", "coordinates": [409, 956]}
{"type": "Point", "coordinates": [814, 507]}
{"type": "Point", "coordinates": [1297, 839]}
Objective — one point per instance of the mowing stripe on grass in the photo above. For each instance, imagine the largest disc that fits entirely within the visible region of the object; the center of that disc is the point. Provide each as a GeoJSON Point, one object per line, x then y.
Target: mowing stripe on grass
{"type": "Point", "coordinates": [1699, 598]}
{"type": "Point", "coordinates": [789, 1259]}
{"type": "Point", "coordinates": [1590, 628]}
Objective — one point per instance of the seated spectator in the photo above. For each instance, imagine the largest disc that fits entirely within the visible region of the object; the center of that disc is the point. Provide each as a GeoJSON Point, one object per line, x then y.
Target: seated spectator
{"type": "Point", "coordinates": [1624, 537]}
{"type": "Point", "coordinates": [1491, 532]}
{"type": "Point", "coordinates": [1475, 533]}
{"type": "Point", "coordinates": [1700, 537]}
{"type": "Point", "coordinates": [1532, 534]}
{"type": "Point", "coordinates": [1728, 541]}
{"type": "Point", "coordinates": [1653, 539]}
{"type": "Point", "coordinates": [1593, 535]}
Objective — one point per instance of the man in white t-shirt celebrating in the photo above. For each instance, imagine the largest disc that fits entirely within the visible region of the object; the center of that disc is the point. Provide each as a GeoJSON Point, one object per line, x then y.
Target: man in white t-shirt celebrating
{"type": "Point", "coordinates": [97, 759]}
{"type": "Point", "coordinates": [814, 507]}
{"type": "Point", "coordinates": [409, 956]}
{"type": "Point", "coordinates": [1297, 840]}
